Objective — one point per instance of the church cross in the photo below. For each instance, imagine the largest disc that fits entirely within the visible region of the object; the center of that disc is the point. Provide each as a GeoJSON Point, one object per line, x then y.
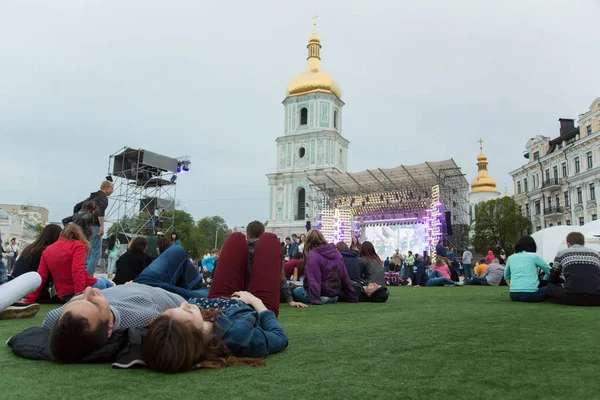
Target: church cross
{"type": "Point", "coordinates": [315, 19]}
{"type": "Point", "coordinates": [480, 144]}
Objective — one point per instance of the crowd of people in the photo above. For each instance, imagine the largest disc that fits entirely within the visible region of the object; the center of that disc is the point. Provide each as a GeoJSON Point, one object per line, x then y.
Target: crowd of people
{"type": "Point", "coordinates": [187, 321]}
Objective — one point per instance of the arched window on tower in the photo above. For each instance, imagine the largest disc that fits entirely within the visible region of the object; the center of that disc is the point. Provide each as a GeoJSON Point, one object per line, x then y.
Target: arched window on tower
{"type": "Point", "coordinates": [301, 210]}
{"type": "Point", "coordinates": [303, 116]}
{"type": "Point", "coordinates": [335, 119]}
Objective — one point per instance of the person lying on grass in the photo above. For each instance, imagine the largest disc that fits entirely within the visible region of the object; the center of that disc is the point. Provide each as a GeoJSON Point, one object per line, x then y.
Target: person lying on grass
{"type": "Point", "coordinates": [86, 322]}
{"type": "Point", "coordinates": [232, 326]}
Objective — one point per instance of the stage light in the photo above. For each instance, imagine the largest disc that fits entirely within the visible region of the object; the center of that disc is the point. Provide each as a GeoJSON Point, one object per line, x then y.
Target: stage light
{"type": "Point", "coordinates": [173, 178]}
{"type": "Point", "coordinates": [186, 166]}
{"type": "Point", "coordinates": [109, 178]}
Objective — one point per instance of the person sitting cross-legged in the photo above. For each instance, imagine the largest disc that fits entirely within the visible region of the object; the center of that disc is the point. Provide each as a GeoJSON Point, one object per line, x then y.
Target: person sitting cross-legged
{"type": "Point", "coordinates": [580, 267]}
{"type": "Point", "coordinates": [232, 326]}
{"type": "Point", "coordinates": [521, 272]}
{"type": "Point", "coordinates": [491, 277]}
{"type": "Point", "coordinates": [86, 322]}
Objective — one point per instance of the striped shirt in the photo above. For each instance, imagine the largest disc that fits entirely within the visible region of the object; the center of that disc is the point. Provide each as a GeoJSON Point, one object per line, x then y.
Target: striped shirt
{"type": "Point", "coordinates": [133, 305]}
{"type": "Point", "coordinates": [522, 271]}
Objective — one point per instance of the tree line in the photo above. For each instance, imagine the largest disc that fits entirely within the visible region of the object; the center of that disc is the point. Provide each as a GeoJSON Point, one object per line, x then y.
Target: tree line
{"type": "Point", "coordinates": [196, 236]}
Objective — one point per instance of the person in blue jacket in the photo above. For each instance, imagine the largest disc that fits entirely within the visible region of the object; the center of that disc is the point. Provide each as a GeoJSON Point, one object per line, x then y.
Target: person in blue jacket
{"type": "Point", "coordinates": [230, 327]}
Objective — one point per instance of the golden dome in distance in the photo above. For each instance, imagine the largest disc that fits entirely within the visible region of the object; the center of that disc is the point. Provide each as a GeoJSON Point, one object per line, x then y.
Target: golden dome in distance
{"type": "Point", "coordinates": [313, 79]}
{"type": "Point", "coordinates": [483, 182]}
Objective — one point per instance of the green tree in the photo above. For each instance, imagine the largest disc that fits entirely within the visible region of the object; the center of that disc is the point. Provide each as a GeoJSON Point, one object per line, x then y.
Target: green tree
{"type": "Point", "coordinates": [209, 229]}
{"type": "Point", "coordinates": [497, 222]}
{"type": "Point", "coordinates": [185, 226]}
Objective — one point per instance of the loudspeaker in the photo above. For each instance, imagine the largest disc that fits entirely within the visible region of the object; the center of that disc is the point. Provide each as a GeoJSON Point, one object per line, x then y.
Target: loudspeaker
{"type": "Point", "coordinates": [448, 223]}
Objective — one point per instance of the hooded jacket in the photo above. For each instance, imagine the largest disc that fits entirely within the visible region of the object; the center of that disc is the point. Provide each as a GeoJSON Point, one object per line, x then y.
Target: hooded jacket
{"type": "Point", "coordinates": [490, 257]}
{"type": "Point", "coordinates": [351, 261]}
{"type": "Point", "coordinates": [327, 274]}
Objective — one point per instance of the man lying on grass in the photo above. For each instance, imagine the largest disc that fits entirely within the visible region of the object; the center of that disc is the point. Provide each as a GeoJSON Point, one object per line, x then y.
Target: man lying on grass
{"type": "Point", "coordinates": [85, 323]}
{"type": "Point", "coordinates": [179, 338]}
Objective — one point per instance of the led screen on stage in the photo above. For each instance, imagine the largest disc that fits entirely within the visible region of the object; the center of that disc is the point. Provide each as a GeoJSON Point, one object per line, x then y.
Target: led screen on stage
{"type": "Point", "coordinates": [387, 239]}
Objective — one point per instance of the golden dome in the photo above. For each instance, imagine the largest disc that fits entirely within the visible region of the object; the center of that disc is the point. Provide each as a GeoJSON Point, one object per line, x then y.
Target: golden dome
{"type": "Point", "coordinates": [483, 182]}
{"type": "Point", "coordinates": [313, 79]}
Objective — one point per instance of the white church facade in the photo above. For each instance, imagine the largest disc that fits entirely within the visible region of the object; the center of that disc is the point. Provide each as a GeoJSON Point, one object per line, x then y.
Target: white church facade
{"type": "Point", "coordinates": [312, 144]}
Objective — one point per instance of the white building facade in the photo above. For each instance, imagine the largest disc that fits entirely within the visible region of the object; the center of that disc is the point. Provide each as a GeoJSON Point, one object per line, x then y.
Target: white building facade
{"type": "Point", "coordinates": [558, 184]}
{"type": "Point", "coordinates": [312, 145]}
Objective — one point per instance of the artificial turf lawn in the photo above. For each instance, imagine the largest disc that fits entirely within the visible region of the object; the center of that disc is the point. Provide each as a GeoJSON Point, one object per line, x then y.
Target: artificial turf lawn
{"type": "Point", "coordinates": [425, 343]}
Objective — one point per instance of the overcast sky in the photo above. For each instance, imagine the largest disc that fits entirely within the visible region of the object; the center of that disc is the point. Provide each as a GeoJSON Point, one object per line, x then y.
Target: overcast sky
{"type": "Point", "coordinates": [422, 80]}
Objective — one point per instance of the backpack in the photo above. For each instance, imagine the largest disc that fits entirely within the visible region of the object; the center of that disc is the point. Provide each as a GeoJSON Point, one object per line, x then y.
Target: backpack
{"type": "Point", "coordinates": [84, 220]}
{"type": "Point", "coordinates": [79, 205]}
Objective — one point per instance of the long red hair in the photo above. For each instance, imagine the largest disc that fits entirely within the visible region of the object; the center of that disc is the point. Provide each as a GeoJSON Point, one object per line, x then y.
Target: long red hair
{"type": "Point", "coordinates": [172, 346]}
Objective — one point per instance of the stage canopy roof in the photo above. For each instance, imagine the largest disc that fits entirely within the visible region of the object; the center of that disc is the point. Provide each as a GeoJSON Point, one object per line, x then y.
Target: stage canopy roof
{"type": "Point", "coordinates": [403, 177]}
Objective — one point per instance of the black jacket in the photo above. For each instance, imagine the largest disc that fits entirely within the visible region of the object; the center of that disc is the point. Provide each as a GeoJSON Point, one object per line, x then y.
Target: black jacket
{"type": "Point", "coordinates": [123, 349]}
{"type": "Point", "coordinates": [351, 262]}
{"type": "Point", "coordinates": [130, 265]}
{"type": "Point", "coordinates": [24, 265]}
{"type": "Point", "coordinates": [101, 201]}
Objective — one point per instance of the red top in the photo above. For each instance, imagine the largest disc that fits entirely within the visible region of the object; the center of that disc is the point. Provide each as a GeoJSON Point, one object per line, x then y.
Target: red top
{"type": "Point", "coordinates": [65, 261]}
{"type": "Point", "coordinates": [289, 266]}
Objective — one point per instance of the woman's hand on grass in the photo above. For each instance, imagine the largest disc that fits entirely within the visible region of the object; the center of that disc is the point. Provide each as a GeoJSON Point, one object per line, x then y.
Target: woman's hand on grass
{"type": "Point", "coordinates": [297, 304]}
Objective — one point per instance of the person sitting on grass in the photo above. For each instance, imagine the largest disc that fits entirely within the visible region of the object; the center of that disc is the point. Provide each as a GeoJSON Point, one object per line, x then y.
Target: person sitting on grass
{"type": "Point", "coordinates": [371, 266]}
{"type": "Point", "coordinates": [326, 275]}
{"type": "Point", "coordinates": [292, 268]}
{"type": "Point", "coordinates": [580, 267]}
{"type": "Point", "coordinates": [133, 262]}
{"type": "Point", "coordinates": [350, 258]}
{"type": "Point", "coordinates": [491, 277]}
{"type": "Point", "coordinates": [30, 257]}
{"type": "Point", "coordinates": [232, 326]}
{"type": "Point", "coordinates": [480, 268]}
{"type": "Point", "coordinates": [162, 244]}
{"type": "Point", "coordinates": [521, 272]}
{"type": "Point", "coordinates": [86, 322]}
{"type": "Point", "coordinates": [419, 271]}
{"type": "Point", "coordinates": [440, 274]}
{"type": "Point", "coordinates": [64, 260]}
{"type": "Point", "coordinates": [29, 260]}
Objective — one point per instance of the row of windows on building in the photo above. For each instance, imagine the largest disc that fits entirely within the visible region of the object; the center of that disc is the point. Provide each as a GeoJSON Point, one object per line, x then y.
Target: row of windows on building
{"type": "Point", "coordinates": [557, 206]}
{"type": "Point", "coordinates": [552, 179]}
{"type": "Point", "coordinates": [568, 222]}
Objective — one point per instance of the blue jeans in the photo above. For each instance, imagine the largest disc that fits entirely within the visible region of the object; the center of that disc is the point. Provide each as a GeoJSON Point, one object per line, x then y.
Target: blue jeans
{"type": "Point", "coordinates": [436, 279]}
{"type": "Point", "coordinates": [95, 251]}
{"type": "Point", "coordinates": [468, 271]}
{"type": "Point", "coordinates": [303, 296]}
{"type": "Point", "coordinates": [174, 272]}
{"type": "Point", "coordinates": [530, 297]}
{"type": "Point", "coordinates": [110, 264]}
{"type": "Point", "coordinates": [477, 281]}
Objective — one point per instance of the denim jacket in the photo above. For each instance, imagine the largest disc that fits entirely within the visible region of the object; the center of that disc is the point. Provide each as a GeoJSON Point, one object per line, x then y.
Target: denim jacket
{"type": "Point", "coordinates": [250, 334]}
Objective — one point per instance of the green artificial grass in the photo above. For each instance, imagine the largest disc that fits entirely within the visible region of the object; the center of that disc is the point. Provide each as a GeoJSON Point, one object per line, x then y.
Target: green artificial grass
{"type": "Point", "coordinates": [424, 343]}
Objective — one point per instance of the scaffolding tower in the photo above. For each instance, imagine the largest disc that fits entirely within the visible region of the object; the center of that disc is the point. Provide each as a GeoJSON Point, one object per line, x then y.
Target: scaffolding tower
{"type": "Point", "coordinates": [145, 191]}
{"type": "Point", "coordinates": [454, 195]}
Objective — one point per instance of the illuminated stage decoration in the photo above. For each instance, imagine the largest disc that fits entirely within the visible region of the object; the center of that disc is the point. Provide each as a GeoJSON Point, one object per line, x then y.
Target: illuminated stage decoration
{"type": "Point", "coordinates": [404, 198]}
